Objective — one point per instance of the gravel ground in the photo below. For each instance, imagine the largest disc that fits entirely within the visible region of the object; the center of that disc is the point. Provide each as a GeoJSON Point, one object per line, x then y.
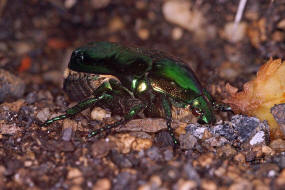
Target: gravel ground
{"type": "Point", "coordinates": [36, 40]}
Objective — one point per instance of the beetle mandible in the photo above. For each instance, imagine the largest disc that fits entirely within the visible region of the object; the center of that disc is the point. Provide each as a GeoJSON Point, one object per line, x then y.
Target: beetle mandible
{"type": "Point", "coordinates": [148, 81]}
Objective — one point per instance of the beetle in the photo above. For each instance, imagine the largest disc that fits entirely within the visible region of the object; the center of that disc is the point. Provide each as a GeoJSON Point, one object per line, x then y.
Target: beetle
{"type": "Point", "coordinates": [147, 81]}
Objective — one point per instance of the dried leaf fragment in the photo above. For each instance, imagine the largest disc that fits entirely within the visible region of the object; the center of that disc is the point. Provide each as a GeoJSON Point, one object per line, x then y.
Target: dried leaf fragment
{"type": "Point", "coordinates": [261, 94]}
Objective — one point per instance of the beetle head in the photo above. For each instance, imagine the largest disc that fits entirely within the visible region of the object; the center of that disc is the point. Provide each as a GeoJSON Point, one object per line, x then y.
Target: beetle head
{"type": "Point", "coordinates": [202, 108]}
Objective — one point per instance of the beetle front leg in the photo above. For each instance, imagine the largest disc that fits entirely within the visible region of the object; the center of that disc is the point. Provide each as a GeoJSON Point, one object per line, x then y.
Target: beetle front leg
{"type": "Point", "coordinates": [168, 115]}
{"type": "Point", "coordinates": [78, 108]}
{"type": "Point", "coordinates": [132, 112]}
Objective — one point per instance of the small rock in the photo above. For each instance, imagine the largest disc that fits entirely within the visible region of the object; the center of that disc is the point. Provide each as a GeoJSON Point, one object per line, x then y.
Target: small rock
{"type": "Point", "coordinates": [258, 138]}
{"type": "Point", "coordinates": [10, 86]}
{"type": "Point", "coordinates": [99, 4]}
{"type": "Point", "coordinates": [143, 33]}
{"type": "Point", "coordinates": [22, 47]}
{"type": "Point", "coordinates": [123, 142]}
{"type": "Point", "coordinates": [120, 160]}
{"type": "Point", "coordinates": [149, 125]}
{"type": "Point", "coordinates": [191, 173]}
{"type": "Point", "coordinates": [180, 13]}
{"type": "Point", "coordinates": [208, 185]}
{"type": "Point", "coordinates": [75, 187]}
{"type": "Point", "coordinates": [43, 114]}
{"type": "Point", "coordinates": [155, 180]}
{"type": "Point", "coordinates": [102, 184]}
{"type": "Point", "coordinates": [280, 160]}
{"type": "Point", "coordinates": [53, 76]}
{"type": "Point", "coordinates": [186, 185]}
{"type": "Point", "coordinates": [267, 150]}
{"type": "Point", "coordinates": [187, 141]}
{"type": "Point", "coordinates": [241, 185]}
{"type": "Point", "coordinates": [123, 180]}
{"type": "Point", "coordinates": [168, 154]}
{"type": "Point", "coordinates": [240, 158]}
{"type": "Point", "coordinates": [66, 135]}
{"type": "Point", "coordinates": [227, 150]}
{"type": "Point", "coordinates": [177, 33]}
{"type": "Point", "coordinates": [196, 130]}
{"type": "Point", "coordinates": [235, 32]}
{"type": "Point", "coordinates": [141, 144]}
{"type": "Point", "coordinates": [8, 129]}
{"type": "Point", "coordinates": [65, 146]}
{"type": "Point", "coordinates": [75, 175]}
{"type": "Point", "coordinates": [217, 141]}
{"type": "Point", "coordinates": [280, 181]}
{"type": "Point", "coordinates": [116, 24]}
{"type": "Point", "coordinates": [278, 111]}
{"type": "Point", "coordinates": [69, 3]}
{"type": "Point", "coordinates": [154, 153]}
{"type": "Point", "coordinates": [101, 148]}
{"type": "Point", "coordinates": [31, 97]}
{"type": "Point", "coordinates": [99, 114]}
{"type": "Point", "coordinates": [278, 145]}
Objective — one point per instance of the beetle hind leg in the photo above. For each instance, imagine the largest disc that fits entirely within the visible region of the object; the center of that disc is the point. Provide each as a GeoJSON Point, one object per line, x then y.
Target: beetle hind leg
{"type": "Point", "coordinates": [78, 108]}
{"type": "Point", "coordinates": [167, 112]}
{"type": "Point", "coordinates": [133, 111]}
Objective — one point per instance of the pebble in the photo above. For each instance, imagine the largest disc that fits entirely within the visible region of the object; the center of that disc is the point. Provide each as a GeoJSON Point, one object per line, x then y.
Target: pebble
{"type": "Point", "coordinates": [280, 181]}
{"type": "Point", "coordinates": [143, 33]}
{"type": "Point", "coordinates": [123, 142]}
{"type": "Point", "coordinates": [240, 158]}
{"type": "Point", "coordinates": [186, 184]}
{"type": "Point", "coordinates": [69, 3]}
{"type": "Point", "coordinates": [75, 175]}
{"type": "Point", "coordinates": [180, 13]}
{"type": "Point", "coordinates": [155, 180]}
{"type": "Point", "coordinates": [101, 148]}
{"type": "Point", "coordinates": [102, 184]}
{"type": "Point", "coordinates": [241, 185]}
{"type": "Point", "coordinates": [99, 4]}
{"type": "Point", "coordinates": [258, 138]}
{"type": "Point", "coordinates": [216, 141]}
{"type": "Point", "coordinates": [177, 33]}
{"type": "Point", "coordinates": [168, 154]}
{"type": "Point", "coordinates": [8, 129]}
{"type": "Point", "coordinates": [116, 24]}
{"type": "Point", "coordinates": [187, 141]}
{"type": "Point", "coordinates": [53, 76]}
{"type": "Point", "coordinates": [120, 160]}
{"type": "Point", "coordinates": [43, 114]}
{"type": "Point", "coordinates": [141, 144]}
{"type": "Point", "coordinates": [22, 47]}
{"type": "Point", "coordinates": [99, 114]}
{"type": "Point", "coordinates": [267, 150]}
{"type": "Point", "coordinates": [208, 185]}
{"type": "Point", "coordinates": [278, 111]}
{"type": "Point", "coordinates": [66, 135]}
{"type": "Point", "coordinates": [11, 86]}
{"type": "Point", "coordinates": [123, 179]}
{"type": "Point", "coordinates": [154, 153]}
{"type": "Point", "coordinates": [235, 32]}
{"type": "Point", "coordinates": [191, 173]}
{"type": "Point", "coordinates": [278, 145]}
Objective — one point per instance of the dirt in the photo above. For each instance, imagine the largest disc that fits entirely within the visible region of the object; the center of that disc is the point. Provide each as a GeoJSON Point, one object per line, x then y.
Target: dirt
{"type": "Point", "coordinates": [36, 41]}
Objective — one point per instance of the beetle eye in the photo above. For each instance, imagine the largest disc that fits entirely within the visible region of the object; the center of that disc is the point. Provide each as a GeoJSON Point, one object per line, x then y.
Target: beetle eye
{"type": "Point", "coordinates": [196, 112]}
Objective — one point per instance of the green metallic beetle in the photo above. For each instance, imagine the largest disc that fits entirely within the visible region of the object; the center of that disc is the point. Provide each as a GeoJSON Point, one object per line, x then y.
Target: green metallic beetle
{"type": "Point", "coordinates": [146, 81]}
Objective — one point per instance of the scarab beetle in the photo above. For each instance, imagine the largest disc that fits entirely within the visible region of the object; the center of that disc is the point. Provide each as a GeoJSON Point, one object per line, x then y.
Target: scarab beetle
{"type": "Point", "coordinates": [143, 80]}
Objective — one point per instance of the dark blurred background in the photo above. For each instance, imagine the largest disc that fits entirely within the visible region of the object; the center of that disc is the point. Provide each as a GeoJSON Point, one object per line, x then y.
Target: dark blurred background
{"type": "Point", "coordinates": [37, 36]}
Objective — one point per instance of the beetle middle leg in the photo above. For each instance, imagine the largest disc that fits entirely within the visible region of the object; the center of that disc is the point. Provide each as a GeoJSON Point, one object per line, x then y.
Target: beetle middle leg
{"type": "Point", "coordinates": [167, 112]}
